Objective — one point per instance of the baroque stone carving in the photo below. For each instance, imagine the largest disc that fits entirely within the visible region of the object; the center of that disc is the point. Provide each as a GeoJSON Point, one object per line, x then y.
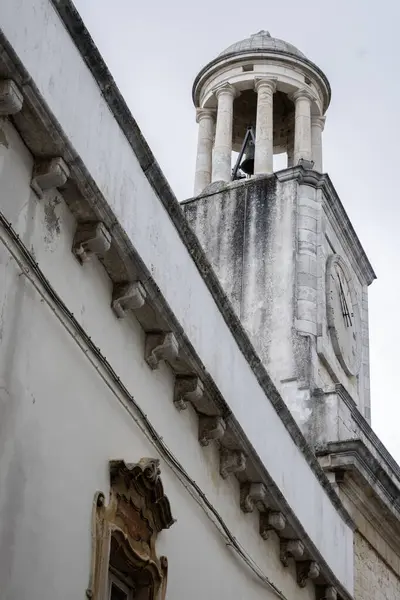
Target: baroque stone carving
{"type": "Point", "coordinates": [271, 521]}
{"type": "Point", "coordinates": [11, 98]}
{"type": "Point", "coordinates": [48, 175]}
{"type": "Point", "coordinates": [253, 495]}
{"type": "Point", "coordinates": [308, 569]}
{"type": "Point", "coordinates": [160, 346]}
{"type": "Point", "coordinates": [291, 549]}
{"type": "Point", "coordinates": [124, 532]}
{"type": "Point", "coordinates": [91, 239]}
{"type": "Point", "coordinates": [188, 388]}
{"type": "Point", "coordinates": [127, 296]}
{"type": "Point", "coordinates": [210, 428]}
{"type": "Point", "coordinates": [231, 461]}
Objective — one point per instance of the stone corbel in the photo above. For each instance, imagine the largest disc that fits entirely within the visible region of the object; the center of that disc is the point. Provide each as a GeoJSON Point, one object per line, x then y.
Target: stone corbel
{"type": "Point", "coordinates": [11, 98]}
{"type": "Point", "coordinates": [231, 461]}
{"type": "Point", "coordinates": [307, 569]}
{"type": "Point", "coordinates": [326, 593]}
{"type": "Point", "coordinates": [271, 521]}
{"type": "Point", "coordinates": [91, 239]}
{"type": "Point", "coordinates": [160, 347]}
{"type": "Point", "coordinates": [48, 175]}
{"type": "Point", "coordinates": [291, 549]}
{"type": "Point", "coordinates": [210, 428]}
{"type": "Point", "coordinates": [127, 296]}
{"type": "Point", "coordinates": [188, 388]}
{"type": "Point", "coordinates": [253, 495]}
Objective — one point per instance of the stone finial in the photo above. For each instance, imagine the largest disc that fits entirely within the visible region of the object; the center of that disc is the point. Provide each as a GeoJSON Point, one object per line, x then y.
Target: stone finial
{"type": "Point", "coordinates": [160, 347]}
{"type": "Point", "coordinates": [291, 549]}
{"type": "Point", "coordinates": [308, 569]}
{"type": "Point", "coordinates": [271, 521]}
{"type": "Point", "coordinates": [188, 388]}
{"type": "Point", "coordinates": [210, 428]}
{"type": "Point", "coordinates": [91, 239]}
{"type": "Point", "coordinates": [11, 98]}
{"type": "Point", "coordinates": [127, 296]}
{"type": "Point", "coordinates": [49, 174]}
{"type": "Point", "coordinates": [253, 495]}
{"type": "Point", "coordinates": [231, 461]}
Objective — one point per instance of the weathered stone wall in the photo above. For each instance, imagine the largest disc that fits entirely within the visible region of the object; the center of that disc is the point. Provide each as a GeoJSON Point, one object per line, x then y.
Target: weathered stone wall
{"type": "Point", "coordinates": [374, 580]}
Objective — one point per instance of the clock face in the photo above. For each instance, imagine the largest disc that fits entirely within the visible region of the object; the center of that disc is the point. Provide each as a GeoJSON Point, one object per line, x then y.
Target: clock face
{"type": "Point", "coordinates": [343, 312]}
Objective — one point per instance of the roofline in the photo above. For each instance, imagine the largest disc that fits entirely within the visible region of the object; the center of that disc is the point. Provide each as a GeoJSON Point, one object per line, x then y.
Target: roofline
{"type": "Point", "coordinates": [236, 56]}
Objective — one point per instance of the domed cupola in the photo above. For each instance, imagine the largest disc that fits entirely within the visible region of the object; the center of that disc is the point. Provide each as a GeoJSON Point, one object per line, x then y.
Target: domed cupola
{"type": "Point", "coordinates": [259, 97]}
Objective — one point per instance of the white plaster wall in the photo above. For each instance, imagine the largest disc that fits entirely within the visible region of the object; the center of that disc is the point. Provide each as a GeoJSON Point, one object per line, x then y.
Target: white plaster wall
{"type": "Point", "coordinates": [61, 422]}
{"type": "Point", "coordinates": [71, 93]}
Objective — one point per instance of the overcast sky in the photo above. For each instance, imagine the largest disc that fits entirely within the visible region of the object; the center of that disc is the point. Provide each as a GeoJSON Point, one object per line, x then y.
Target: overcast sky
{"type": "Point", "coordinates": [154, 50]}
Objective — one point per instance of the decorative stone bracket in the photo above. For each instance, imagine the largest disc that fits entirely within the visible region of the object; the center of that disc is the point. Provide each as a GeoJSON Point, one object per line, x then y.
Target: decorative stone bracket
{"type": "Point", "coordinates": [11, 98]}
{"type": "Point", "coordinates": [48, 175]}
{"type": "Point", "coordinates": [291, 549]}
{"type": "Point", "coordinates": [231, 461]}
{"type": "Point", "coordinates": [91, 239]}
{"type": "Point", "coordinates": [210, 428]}
{"type": "Point", "coordinates": [253, 495]}
{"type": "Point", "coordinates": [127, 296]}
{"type": "Point", "coordinates": [160, 346]}
{"type": "Point", "coordinates": [308, 569]}
{"type": "Point", "coordinates": [187, 389]}
{"type": "Point", "coordinates": [326, 593]}
{"type": "Point", "coordinates": [271, 521]}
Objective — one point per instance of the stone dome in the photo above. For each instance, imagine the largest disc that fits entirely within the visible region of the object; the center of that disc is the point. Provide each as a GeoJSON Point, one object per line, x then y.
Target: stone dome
{"type": "Point", "coordinates": [262, 41]}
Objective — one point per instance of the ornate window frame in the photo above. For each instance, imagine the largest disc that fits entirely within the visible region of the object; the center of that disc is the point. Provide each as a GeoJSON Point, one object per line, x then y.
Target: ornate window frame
{"type": "Point", "coordinates": [124, 532]}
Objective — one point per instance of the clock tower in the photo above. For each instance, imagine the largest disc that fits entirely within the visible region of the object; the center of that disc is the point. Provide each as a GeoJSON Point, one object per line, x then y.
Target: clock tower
{"type": "Point", "coordinates": [281, 242]}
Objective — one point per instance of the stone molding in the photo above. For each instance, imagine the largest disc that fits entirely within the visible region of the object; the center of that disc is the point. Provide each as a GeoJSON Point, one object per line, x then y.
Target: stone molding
{"type": "Point", "coordinates": [225, 88]}
{"type": "Point", "coordinates": [318, 121]}
{"type": "Point", "coordinates": [11, 98]}
{"type": "Point", "coordinates": [269, 83]}
{"type": "Point", "coordinates": [187, 389]}
{"type": "Point", "coordinates": [128, 297]}
{"type": "Point", "coordinates": [48, 175]}
{"type": "Point", "coordinates": [302, 93]}
{"type": "Point", "coordinates": [205, 113]}
{"type": "Point", "coordinates": [92, 197]}
{"type": "Point", "coordinates": [271, 521]}
{"type": "Point", "coordinates": [161, 347]}
{"type": "Point", "coordinates": [91, 239]}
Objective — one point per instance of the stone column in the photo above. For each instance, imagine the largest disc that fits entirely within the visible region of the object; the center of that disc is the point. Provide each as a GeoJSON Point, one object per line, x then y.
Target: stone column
{"type": "Point", "coordinates": [302, 126]}
{"type": "Point", "coordinates": [317, 127]}
{"type": "Point", "coordinates": [264, 150]}
{"type": "Point", "coordinates": [222, 155]}
{"type": "Point", "coordinates": [205, 117]}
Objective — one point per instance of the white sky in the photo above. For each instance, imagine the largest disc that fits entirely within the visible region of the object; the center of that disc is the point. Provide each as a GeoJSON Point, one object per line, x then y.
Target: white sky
{"type": "Point", "coordinates": [154, 50]}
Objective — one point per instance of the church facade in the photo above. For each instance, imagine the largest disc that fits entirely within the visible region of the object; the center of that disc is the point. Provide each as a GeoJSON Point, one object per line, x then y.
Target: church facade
{"type": "Point", "coordinates": [184, 389]}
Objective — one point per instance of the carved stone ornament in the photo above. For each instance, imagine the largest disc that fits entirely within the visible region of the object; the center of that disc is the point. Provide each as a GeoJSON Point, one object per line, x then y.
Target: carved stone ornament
{"type": "Point", "coordinates": [11, 98]}
{"type": "Point", "coordinates": [291, 549]}
{"type": "Point", "coordinates": [124, 531]}
{"type": "Point", "coordinates": [330, 593]}
{"type": "Point", "coordinates": [210, 428]}
{"type": "Point", "coordinates": [91, 239]}
{"type": "Point", "coordinates": [253, 495]}
{"type": "Point", "coordinates": [160, 346]}
{"type": "Point", "coordinates": [271, 521]}
{"type": "Point", "coordinates": [48, 175]}
{"type": "Point", "coordinates": [307, 569]}
{"type": "Point", "coordinates": [127, 296]}
{"type": "Point", "coordinates": [188, 388]}
{"type": "Point", "coordinates": [231, 461]}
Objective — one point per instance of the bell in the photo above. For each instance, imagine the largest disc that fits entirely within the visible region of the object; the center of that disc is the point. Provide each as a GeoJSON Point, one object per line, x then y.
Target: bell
{"type": "Point", "coordinates": [247, 165]}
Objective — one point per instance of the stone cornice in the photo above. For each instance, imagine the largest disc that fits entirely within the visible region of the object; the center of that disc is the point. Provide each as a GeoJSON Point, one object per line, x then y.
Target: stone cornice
{"type": "Point", "coordinates": [356, 457]}
{"type": "Point", "coordinates": [337, 216]}
{"type": "Point", "coordinates": [93, 201]}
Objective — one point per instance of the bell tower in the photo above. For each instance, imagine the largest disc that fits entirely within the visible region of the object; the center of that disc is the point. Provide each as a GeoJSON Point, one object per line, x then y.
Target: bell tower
{"type": "Point", "coordinates": [281, 242]}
